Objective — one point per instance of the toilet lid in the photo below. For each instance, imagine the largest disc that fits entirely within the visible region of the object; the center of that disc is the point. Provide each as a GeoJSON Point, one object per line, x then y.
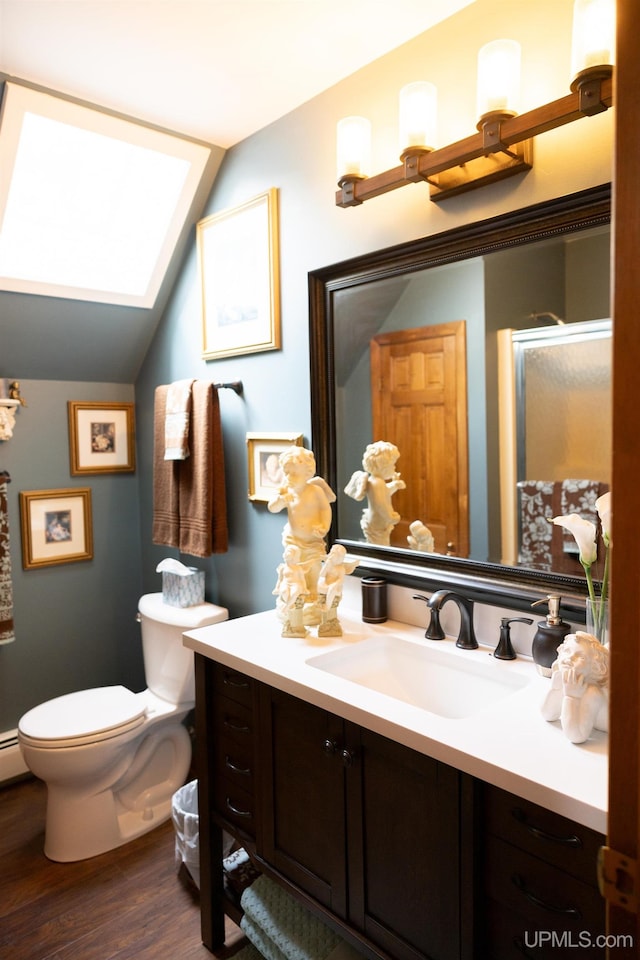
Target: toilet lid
{"type": "Point", "coordinates": [84, 716]}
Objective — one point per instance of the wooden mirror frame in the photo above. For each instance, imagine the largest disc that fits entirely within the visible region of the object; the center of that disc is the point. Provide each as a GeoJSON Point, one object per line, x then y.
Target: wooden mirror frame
{"type": "Point", "coordinates": [513, 586]}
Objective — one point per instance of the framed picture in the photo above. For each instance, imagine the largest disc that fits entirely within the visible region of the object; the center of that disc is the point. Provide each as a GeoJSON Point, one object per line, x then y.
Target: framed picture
{"type": "Point", "coordinates": [101, 437]}
{"type": "Point", "coordinates": [239, 278]}
{"type": "Point", "coordinates": [265, 473]}
{"type": "Point", "coordinates": [56, 526]}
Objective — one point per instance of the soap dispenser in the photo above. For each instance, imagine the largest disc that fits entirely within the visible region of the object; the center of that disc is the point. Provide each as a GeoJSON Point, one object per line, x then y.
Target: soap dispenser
{"type": "Point", "coordinates": [549, 635]}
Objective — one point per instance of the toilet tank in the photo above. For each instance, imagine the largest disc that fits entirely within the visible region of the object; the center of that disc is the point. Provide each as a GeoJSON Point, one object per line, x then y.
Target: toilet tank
{"type": "Point", "coordinates": [168, 665]}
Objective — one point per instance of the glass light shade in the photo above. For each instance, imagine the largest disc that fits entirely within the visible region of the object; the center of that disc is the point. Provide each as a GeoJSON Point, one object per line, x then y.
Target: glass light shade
{"type": "Point", "coordinates": [499, 77]}
{"type": "Point", "coordinates": [353, 147]}
{"type": "Point", "coordinates": [594, 31]}
{"type": "Point", "coordinates": [418, 115]}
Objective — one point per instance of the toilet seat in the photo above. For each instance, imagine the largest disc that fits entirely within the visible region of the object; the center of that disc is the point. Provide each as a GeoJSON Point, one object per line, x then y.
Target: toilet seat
{"type": "Point", "coordinates": [83, 717]}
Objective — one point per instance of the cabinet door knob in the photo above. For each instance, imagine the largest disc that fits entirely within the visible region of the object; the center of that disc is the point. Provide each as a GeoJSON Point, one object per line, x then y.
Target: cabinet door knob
{"type": "Point", "coordinates": [330, 747]}
{"type": "Point", "coordinates": [348, 756]}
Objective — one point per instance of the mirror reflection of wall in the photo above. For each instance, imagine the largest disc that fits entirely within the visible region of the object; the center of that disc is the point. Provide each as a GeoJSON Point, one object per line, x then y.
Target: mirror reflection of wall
{"type": "Point", "coordinates": [565, 277]}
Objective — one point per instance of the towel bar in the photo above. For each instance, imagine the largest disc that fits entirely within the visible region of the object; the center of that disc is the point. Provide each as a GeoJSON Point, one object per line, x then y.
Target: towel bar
{"type": "Point", "coordinates": [235, 385]}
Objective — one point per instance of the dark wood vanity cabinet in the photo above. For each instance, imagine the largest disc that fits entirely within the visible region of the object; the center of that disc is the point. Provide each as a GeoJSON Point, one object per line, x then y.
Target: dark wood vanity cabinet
{"type": "Point", "coordinates": [368, 828]}
{"type": "Point", "coordinates": [415, 859]}
{"type": "Point", "coordinates": [539, 880]}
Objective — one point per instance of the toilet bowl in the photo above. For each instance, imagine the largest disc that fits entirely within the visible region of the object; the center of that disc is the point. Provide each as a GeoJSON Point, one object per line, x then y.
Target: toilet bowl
{"type": "Point", "coordinates": [112, 759]}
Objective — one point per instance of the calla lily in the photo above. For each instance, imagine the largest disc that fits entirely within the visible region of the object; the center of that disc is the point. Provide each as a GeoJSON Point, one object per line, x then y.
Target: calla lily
{"type": "Point", "coordinates": [584, 532]}
{"type": "Point", "coordinates": [603, 506]}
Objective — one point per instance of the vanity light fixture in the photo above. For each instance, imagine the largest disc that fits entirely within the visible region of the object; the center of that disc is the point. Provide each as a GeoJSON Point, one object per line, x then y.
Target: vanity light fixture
{"type": "Point", "coordinates": [503, 145]}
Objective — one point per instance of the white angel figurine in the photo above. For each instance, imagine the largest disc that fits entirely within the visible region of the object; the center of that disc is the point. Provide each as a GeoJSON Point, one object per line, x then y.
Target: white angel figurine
{"type": "Point", "coordinates": [579, 694]}
{"type": "Point", "coordinates": [291, 591]}
{"type": "Point", "coordinates": [378, 482]}
{"type": "Point", "coordinates": [334, 569]}
{"type": "Point", "coordinates": [420, 537]}
{"type": "Point", "coordinates": [308, 500]}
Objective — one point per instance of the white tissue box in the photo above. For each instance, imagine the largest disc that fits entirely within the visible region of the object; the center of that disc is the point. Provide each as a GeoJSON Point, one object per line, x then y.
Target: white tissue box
{"type": "Point", "coordinates": [183, 590]}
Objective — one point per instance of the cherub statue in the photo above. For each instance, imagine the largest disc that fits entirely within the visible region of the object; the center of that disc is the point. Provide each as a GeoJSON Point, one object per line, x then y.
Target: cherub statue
{"type": "Point", "coordinates": [291, 590]}
{"type": "Point", "coordinates": [15, 394]}
{"type": "Point", "coordinates": [579, 694]}
{"type": "Point", "coordinates": [308, 500]}
{"type": "Point", "coordinates": [378, 483]}
{"type": "Point", "coordinates": [334, 569]}
{"type": "Point", "coordinates": [420, 537]}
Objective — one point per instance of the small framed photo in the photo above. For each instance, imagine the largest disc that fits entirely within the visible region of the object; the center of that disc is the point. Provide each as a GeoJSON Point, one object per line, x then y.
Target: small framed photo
{"type": "Point", "coordinates": [56, 526]}
{"type": "Point", "coordinates": [101, 437]}
{"type": "Point", "coordinates": [265, 473]}
{"type": "Point", "coordinates": [238, 264]}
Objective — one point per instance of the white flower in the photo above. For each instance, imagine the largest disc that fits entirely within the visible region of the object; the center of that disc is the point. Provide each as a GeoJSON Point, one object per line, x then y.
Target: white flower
{"type": "Point", "coordinates": [584, 532]}
{"type": "Point", "coordinates": [603, 506]}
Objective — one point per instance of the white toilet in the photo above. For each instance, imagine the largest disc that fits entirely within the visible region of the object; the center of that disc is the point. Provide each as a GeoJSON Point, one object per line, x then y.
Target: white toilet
{"type": "Point", "coordinates": [113, 759]}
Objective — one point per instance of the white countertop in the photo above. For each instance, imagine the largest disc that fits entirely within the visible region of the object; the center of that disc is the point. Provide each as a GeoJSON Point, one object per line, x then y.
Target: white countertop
{"type": "Point", "coordinates": [507, 743]}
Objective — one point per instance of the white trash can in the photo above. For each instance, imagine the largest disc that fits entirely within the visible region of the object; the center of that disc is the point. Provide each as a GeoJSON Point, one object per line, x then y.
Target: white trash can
{"type": "Point", "coordinates": [184, 813]}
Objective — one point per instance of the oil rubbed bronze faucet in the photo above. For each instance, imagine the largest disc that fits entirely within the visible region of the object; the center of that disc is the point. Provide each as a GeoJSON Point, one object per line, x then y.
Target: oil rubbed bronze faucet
{"type": "Point", "coordinates": [467, 635]}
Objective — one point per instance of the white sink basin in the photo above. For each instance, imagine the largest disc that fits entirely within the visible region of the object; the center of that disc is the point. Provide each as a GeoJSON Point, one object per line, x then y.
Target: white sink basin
{"type": "Point", "coordinates": [439, 681]}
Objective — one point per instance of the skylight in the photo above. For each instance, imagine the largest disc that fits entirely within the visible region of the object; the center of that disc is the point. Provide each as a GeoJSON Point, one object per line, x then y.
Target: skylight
{"type": "Point", "coordinates": [91, 205]}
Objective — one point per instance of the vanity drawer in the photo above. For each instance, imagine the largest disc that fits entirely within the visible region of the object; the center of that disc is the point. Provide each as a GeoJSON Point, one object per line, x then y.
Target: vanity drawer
{"type": "Point", "coordinates": [555, 839]}
{"type": "Point", "coordinates": [512, 936]}
{"type": "Point", "coordinates": [546, 897]}
{"type": "Point", "coordinates": [234, 685]}
{"type": "Point", "coordinates": [234, 763]}
{"type": "Point", "coordinates": [235, 806]}
{"type": "Point", "coordinates": [233, 722]}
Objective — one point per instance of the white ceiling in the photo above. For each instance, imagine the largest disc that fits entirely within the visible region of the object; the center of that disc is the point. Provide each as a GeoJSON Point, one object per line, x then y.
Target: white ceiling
{"type": "Point", "coordinates": [217, 70]}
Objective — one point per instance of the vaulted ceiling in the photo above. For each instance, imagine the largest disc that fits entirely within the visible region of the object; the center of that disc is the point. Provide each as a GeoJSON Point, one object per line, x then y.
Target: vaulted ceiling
{"type": "Point", "coordinates": [214, 70]}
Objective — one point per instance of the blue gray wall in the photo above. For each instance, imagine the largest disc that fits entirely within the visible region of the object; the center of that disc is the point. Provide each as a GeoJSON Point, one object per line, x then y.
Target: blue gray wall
{"type": "Point", "coordinates": [74, 622]}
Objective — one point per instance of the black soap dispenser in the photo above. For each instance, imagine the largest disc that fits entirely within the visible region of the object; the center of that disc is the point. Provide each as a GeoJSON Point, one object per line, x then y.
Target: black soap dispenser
{"type": "Point", "coordinates": [549, 635]}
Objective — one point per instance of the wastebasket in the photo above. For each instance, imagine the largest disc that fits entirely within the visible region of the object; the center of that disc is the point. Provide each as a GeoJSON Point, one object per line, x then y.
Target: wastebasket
{"type": "Point", "coordinates": [184, 813]}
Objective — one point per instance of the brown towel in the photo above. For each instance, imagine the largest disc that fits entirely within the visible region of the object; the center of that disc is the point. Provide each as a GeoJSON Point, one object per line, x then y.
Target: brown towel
{"type": "Point", "coordinates": [546, 545]}
{"type": "Point", "coordinates": [536, 509]}
{"type": "Point", "coordinates": [189, 496]}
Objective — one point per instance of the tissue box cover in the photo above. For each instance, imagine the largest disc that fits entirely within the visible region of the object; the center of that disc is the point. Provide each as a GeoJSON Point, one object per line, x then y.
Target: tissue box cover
{"type": "Point", "coordinates": [183, 591]}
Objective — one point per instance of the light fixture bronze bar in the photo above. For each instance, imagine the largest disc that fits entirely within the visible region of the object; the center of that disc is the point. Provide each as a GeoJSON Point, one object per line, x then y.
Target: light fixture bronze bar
{"type": "Point", "coordinates": [512, 131]}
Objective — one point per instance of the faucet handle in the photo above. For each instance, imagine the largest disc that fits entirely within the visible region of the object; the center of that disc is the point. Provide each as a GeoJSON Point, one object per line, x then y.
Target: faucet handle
{"type": "Point", "coordinates": [434, 630]}
{"type": "Point", "coordinates": [504, 650]}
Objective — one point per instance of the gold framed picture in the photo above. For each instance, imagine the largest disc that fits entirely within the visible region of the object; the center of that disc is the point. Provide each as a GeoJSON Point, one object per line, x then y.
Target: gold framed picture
{"type": "Point", "coordinates": [238, 262]}
{"type": "Point", "coordinates": [265, 473]}
{"type": "Point", "coordinates": [101, 437]}
{"type": "Point", "coordinates": [56, 526]}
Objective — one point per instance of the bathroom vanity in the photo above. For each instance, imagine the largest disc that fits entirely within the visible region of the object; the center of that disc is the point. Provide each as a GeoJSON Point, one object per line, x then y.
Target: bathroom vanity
{"type": "Point", "coordinates": [467, 830]}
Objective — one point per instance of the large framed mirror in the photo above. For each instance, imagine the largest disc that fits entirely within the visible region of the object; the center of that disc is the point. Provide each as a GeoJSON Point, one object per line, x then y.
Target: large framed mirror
{"type": "Point", "coordinates": [480, 286]}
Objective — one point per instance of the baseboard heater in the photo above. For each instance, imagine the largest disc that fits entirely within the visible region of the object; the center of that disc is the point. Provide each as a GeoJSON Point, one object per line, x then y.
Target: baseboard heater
{"type": "Point", "coordinates": [11, 763]}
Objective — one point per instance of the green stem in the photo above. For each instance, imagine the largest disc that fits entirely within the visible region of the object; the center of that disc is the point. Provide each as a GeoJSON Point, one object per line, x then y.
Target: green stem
{"type": "Point", "coordinates": [587, 570]}
{"type": "Point", "coordinates": [605, 576]}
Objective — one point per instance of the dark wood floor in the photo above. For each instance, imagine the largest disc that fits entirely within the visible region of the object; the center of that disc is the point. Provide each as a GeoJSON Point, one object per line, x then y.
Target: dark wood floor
{"type": "Point", "coordinates": [130, 903]}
